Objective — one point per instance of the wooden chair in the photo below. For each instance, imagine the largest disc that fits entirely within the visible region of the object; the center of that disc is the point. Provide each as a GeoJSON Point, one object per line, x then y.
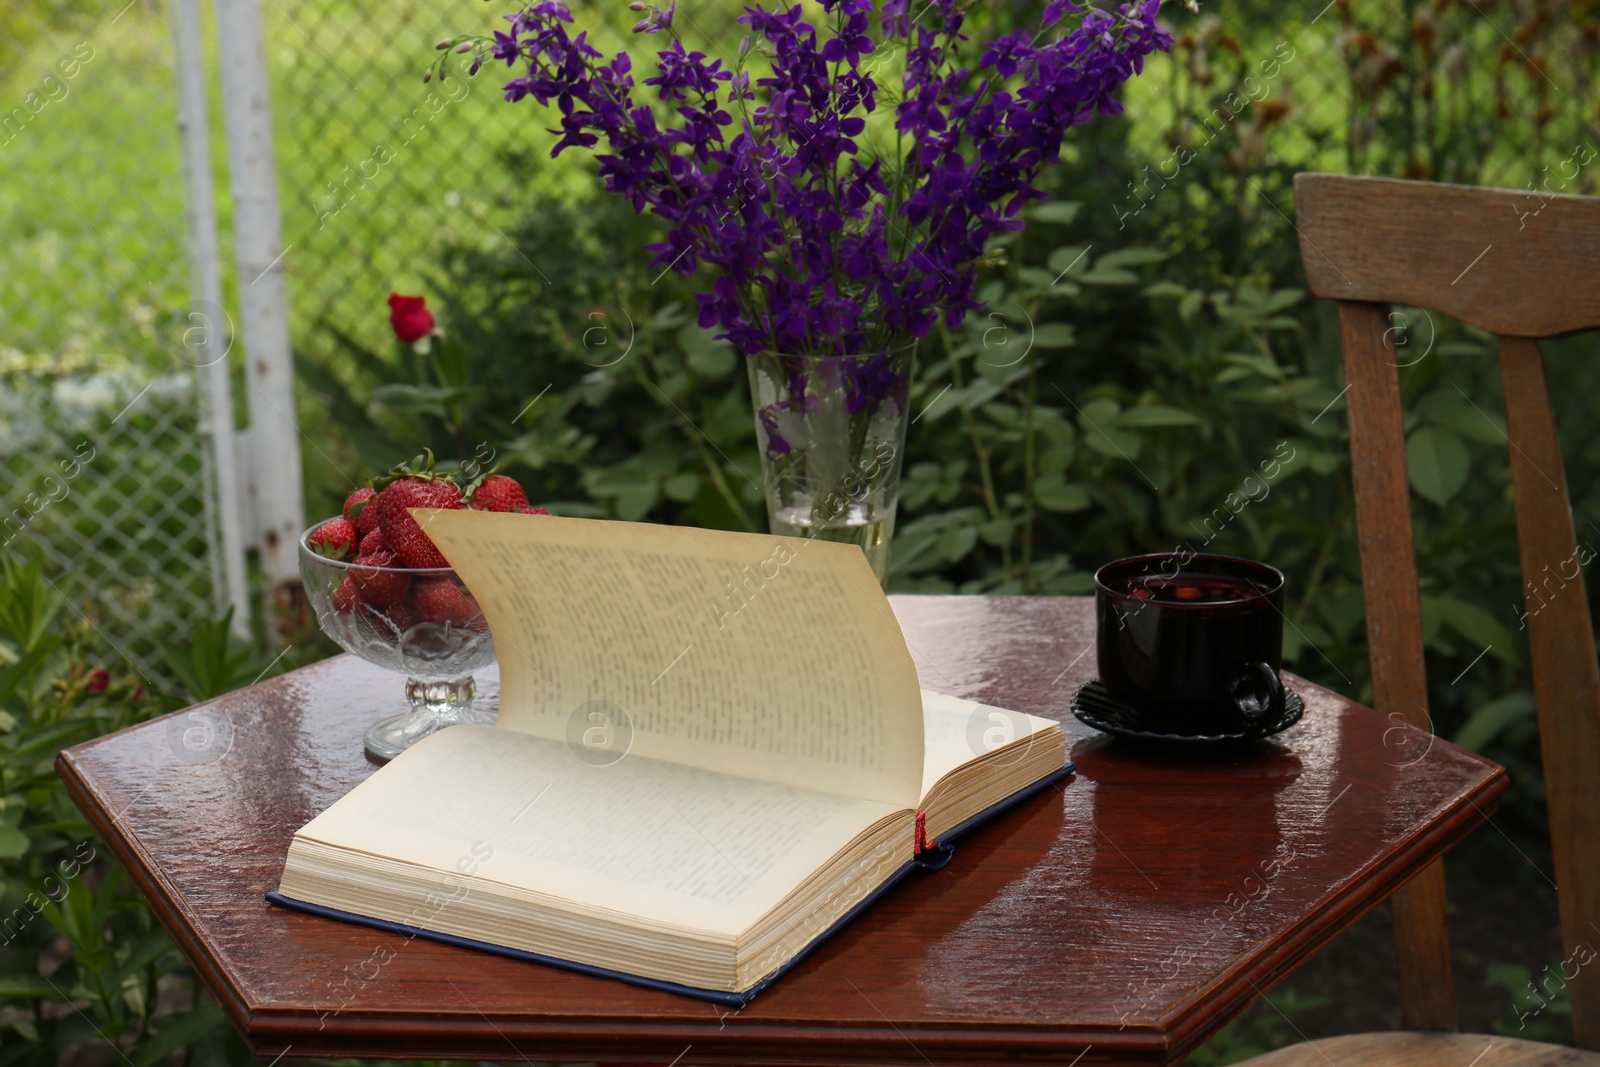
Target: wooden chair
{"type": "Point", "coordinates": [1523, 266]}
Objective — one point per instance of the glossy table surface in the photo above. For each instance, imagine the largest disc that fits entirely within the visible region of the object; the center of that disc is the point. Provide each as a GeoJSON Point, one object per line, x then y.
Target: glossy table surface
{"type": "Point", "coordinates": [1118, 918]}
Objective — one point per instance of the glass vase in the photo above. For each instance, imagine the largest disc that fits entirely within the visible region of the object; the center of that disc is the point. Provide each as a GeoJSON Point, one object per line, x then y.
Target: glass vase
{"type": "Point", "coordinates": [832, 432]}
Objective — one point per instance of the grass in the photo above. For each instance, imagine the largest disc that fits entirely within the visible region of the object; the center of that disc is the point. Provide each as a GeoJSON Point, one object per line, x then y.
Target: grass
{"type": "Point", "coordinates": [377, 171]}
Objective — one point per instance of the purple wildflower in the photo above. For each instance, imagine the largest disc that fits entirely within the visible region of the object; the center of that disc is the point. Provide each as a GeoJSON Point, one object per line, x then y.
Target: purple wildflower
{"type": "Point", "coordinates": [763, 176]}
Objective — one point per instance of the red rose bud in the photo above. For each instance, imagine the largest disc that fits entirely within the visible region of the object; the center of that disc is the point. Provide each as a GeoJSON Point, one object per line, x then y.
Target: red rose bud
{"type": "Point", "coordinates": [98, 680]}
{"type": "Point", "coordinates": [409, 317]}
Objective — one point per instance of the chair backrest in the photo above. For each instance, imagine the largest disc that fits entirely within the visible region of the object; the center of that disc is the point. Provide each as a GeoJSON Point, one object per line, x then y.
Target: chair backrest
{"type": "Point", "coordinates": [1523, 266]}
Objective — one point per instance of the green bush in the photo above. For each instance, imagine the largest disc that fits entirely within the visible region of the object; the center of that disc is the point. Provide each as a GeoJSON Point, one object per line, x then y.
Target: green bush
{"type": "Point", "coordinates": [84, 961]}
{"type": "Point", "coordinates": [1149, 373]}
{"type": "Point", "coordinates": [1127, 391]}
{"type": "Point", "coordinates": [84, 958]}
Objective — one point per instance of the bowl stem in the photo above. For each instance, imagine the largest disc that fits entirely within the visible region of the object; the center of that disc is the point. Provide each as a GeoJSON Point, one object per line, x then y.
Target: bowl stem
{"type": "Point", "coordinates": [435, 704]}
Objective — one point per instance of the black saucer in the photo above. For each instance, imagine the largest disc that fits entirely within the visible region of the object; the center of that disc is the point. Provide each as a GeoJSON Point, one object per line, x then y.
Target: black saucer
{"type": "Point", "coordinates": [1095, 705]}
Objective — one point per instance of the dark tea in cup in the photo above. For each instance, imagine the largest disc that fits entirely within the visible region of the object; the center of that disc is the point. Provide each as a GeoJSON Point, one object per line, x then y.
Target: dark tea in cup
{"type": "Point", "coordinates": [1194, 642]}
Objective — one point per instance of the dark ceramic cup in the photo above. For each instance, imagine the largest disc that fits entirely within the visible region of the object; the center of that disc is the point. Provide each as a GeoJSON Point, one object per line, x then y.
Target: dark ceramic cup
{"type": "Point", "coordinates": [1193, 641]}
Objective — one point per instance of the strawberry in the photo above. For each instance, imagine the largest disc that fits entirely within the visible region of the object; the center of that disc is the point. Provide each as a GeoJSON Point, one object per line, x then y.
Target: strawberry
{"type": "Point", "coordinates": [498, 493]}
{"type": "Point", "coordinates": [400, 531]}
{"type": "Point", "coordinates": [532, 511]}
{"type": "Point", "coordinates": [372, 543]}
{"type": "Point", "coordinates": [403, 613]}
{"type": "Point", "coordinates": [347, 597]}
{"type": "Point", "coordinates": [413, 485]}
{"type": "Point", "coordinates": [335, 539]}
{"type": "Point", "coordinates": [365, 519]}
{"type": "Point", "coordinates": [379, 580]}
{"type": "Point", "coordinates": [439, 599]}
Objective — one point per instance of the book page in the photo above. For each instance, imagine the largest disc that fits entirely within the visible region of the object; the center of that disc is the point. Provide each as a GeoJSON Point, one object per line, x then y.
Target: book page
{"type": "Point", "coordinates": [769, 657]}
{"type": "Point", "coordinates": [958, 731]}
{"type": "Point", "coordinates": [672, 845]}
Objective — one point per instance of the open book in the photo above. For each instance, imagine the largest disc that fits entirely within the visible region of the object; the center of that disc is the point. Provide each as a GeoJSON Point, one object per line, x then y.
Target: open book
{"type": "Point", "coordinates": [712, 749]}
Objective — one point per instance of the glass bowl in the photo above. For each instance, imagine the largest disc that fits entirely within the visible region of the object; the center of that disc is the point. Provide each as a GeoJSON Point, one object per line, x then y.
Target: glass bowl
{"type": "Point", "coordinates": [418, 621]}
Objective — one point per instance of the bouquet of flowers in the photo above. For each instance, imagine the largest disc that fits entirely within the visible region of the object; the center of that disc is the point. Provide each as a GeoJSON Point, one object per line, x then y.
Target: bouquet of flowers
{"type": "Point", "coordinates": [840, 179]}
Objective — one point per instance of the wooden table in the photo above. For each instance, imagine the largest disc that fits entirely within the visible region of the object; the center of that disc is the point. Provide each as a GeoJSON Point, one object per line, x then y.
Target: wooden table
{"type": "Point", "coordinates": [1121, 917]}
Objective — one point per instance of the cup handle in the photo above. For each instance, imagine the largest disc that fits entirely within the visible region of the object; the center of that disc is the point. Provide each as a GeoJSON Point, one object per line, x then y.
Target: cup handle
{"type": "Point", "coordinates": [1257, 690]}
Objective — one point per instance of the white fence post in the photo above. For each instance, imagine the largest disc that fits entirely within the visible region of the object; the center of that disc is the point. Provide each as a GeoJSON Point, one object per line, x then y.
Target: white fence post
{"type": "Point", "coordinates": [273, 473]}
{"type": "Point", "coordinates": [208, 334]}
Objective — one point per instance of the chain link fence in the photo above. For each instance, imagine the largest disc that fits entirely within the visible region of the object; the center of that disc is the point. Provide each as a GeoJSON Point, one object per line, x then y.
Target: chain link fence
{"type": "Point", "coordinates": [383, 175]}
{"type": "Point", "coordinates": [1497, 93]}
{"type": "Point", "coordinates": [380, 172]}
{"type": "Point", "coordinates": [99, 415]}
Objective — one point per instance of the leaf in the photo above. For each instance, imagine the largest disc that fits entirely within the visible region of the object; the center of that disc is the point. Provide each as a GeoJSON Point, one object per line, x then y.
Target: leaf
{"type": "Point", "coordinates": [1475, 424]}
{"type": "Point", "coordinates": [1129, 257]}
{"type": "Point", "coordinates": [420, 399]}
{"type": "Point", "coordinates": [1055, 335]}
{"type": "Point", "coordinates": [1306, 635]}
{"type": "Point", "coordinates": [1282, 298]}
{"type": "Point", "coordinates": [996, 532]}
{"type": "Point", "coordinates": [1476, 625]}
{"type": "Point", "coordinates": [28, 985]}
{"type": "Point", "coordinates": [1190, 304]}
{"type": "Point", "coordinates": [1437, 460]}
{"type": "Point", "coordinates": [714, 362]}
{"type": "Point", "coordinates": [1097, 413]}
{"type": "Point", "coordinates": [1070, 259]}
{"type": "Point", "coordinates": [146, 952]}
{"type": "Point", "coordinates": [1061, 211]}
{"type": "Point", "coordinates": [1258, 363]}
{"type": "Point", "coordinates": [957, 541]}
{"type": "Point", "coordinates": [1003, 366]}
{"type": "Point", "coordinates": [635, 503]}
{"type": "Point", "coordinates": [1165, 289]}
{"type": "Point", "coordinates": [668, 316]}
{"type": "Point", "coordinates": [1325, 462]}
{"type": "Point", "coordinates": [1490, 720]}
{"type": "Point", "coordinates": [176, 1032]}
{"type": "Point", "coordinates": [1097, 421]}
{"type": "Point", "coordinates": [17, 672]}
{"type": "Point", "coordinates": [1054, 494]}
{"type": "Point", "coordinates": [52, 737]}
{"type": "Point", "coordinates": [916, 541]}
{"type": "Point", "coordinates": [1158, 415]}
{"type": "Point", "coordinates": [982, 389]}
{"type": "Point", "coordinates": [1039, 278]}
{"type": "Point", "coordinates": [681, 487]}
{"type": "Point", "coordinates": [1108, 276]}
{"type": "Point", "coordinates": [1114, 443]}
{"type": "Point", "coordinates": [13, 842]}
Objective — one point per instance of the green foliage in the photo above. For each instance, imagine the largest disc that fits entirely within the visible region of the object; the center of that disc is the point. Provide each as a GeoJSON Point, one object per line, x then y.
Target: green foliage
{"type": "Point", "coordinates": [1258, 1031]}
{"type": "Point", "coordinates": [1138, 382]}
{"type": "Point", "coordinates": [212, 661]}
{"type": "Point", "coordinates": [1149, 373]}
{"type": "Point", "coordinates": [74, 931]}
{"type": "Point", "coordinates": [1538, 1012]}
{"type": "Point", "coordinates": [84, 961]}
{"type": "Point", "coordinates": [592, 386]}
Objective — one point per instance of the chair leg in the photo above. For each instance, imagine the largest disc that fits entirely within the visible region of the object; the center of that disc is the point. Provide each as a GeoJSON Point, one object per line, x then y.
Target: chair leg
{"type": "Point", "coordinates": [1422, 951]}
{"type": "Point", "coordinates": [1394, 631]}
{"type": "Point", "coordinates": [1566, 676]}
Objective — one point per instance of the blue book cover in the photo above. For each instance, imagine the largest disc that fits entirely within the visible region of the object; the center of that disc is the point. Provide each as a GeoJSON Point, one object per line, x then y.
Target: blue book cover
{"type": "Point", "coordinates": [930, 859]}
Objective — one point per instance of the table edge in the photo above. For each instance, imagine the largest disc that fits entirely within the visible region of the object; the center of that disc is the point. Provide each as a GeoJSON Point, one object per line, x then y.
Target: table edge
{"type": "Point", "coordinates": [1160, 1040]}
{"type": "Point", "coordinates": [1467, 815]}
{"type": "Point", "coordinates": [141, 872]}
{"type": "Point", "coordinates": [276, 1031]}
